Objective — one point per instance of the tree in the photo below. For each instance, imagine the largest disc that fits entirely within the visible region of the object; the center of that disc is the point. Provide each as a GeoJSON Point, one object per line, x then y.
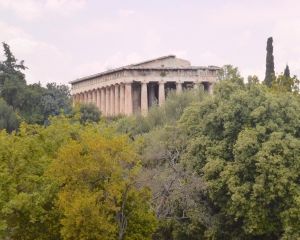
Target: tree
{"type": "Point", "coordinates": [178, 196]}
{"type": "Point", "coordinates": [8, 119]}
{"type": "Point", "coordinates": [70, 181]}
{"type": "Point", "coordinates": [283, 84]}
{"type": "Point", "coordinates": [244, 144]}
{"type": "Point", "coordinates": [100, 196]}
{"type": "Point", "coordinates": [12, 80]}
{"type": "Point", "coordinates": [287, 72]}
{"type": "Point", "coordinates": [89, 113]}
{"type": "Point", "coordinates": [269, 62]}
{"type": "Point", "coordinates": [55, 98]}
{"type": "Point", "coordinates": [227, 72]}
{"type": "Point", "coordinates": [25, 194]}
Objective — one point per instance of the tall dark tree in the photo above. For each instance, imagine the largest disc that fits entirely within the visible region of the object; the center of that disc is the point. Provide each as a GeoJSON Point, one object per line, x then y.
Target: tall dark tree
{"type": "Point", "coordinates": [269, 62]}
{"type": "Point", "coordinates": [287, 71]}
{"type": "Point", "coordinates": [12, 80]}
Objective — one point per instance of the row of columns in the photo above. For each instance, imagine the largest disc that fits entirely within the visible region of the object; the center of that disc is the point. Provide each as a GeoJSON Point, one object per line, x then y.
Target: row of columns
{"type": "Point", "coordinates": [117, 99]}
{"type": "Point", "coordinates": [111, 100]}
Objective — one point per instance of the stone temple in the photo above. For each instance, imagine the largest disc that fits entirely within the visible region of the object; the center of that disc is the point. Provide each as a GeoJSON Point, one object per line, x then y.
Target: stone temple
{"type": "Point", "coordinates": [128, 89]}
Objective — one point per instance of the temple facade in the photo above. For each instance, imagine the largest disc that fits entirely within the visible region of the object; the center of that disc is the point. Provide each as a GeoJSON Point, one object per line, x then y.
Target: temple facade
{"type": "Point", "coordinates": [128, 89]}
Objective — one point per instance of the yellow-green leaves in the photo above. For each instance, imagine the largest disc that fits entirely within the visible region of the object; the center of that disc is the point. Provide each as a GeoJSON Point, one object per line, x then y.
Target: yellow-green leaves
{"type": "Point", "coordinates": [70, 181]}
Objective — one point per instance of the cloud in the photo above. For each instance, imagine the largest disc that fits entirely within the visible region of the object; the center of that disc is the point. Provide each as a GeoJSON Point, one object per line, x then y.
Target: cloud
{"type": "Point", "coordinates": [24, 9]}
{"type": "Point", "coordinates": [65, 8]}
{"type": "Point", "coordinates": [257, 72]}
{"type": "Point", "coordinates": [179, 54]}
{"type": "Point", "coordinates": [40, 57]}
{"type": "Point", "coordinates": [244, 39]}
{"type": "Point", "coordinates": [115, 61]}
{"type": "Point", "coordinates": [209, 58]}
{"type": "Point", "coordinates": [30, 10]}
{"type": "Point", "coordinates": [125, 13]}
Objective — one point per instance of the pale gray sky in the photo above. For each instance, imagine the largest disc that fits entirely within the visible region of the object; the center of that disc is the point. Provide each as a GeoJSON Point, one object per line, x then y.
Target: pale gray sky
{"type": "Point", "coordinates": [61, 40]}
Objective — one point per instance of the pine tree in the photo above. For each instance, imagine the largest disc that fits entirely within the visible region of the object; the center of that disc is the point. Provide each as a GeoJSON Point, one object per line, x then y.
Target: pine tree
{"type": "Point", "coordinates": [269, 62]}
{"type": "Point", "coordinates": [287, 71]}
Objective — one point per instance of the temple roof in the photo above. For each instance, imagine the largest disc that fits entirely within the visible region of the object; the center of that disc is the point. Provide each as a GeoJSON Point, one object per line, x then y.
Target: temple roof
{"type": "Point", "coordinates": [137, 66]}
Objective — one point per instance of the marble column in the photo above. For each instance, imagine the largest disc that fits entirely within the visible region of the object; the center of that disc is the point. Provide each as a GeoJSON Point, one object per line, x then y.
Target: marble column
{"type": "Point", "coordinates": [161, 93]}
{"type": "Point", "coordinates": [98, 103]}
{"type": "Point", "coordinates": [151, 94]}
{"type": "Point", "coordinates": [128, 99]}
{"type": "Point", "coordinates": [196, 85]}
{"type": "Point", "coordinates": [117, 100]}
{"type": "Point", "coordinates": [73, 99]}
{"type": "Point", "coordinates": [103, 104]}
{"type": "Point", "coordinates": [178, 87]}
{"type": "Point", "coordinates": [85, 97]}
{"type": "Point", "coordinates": [144, 98]}
{"type": "Point", "coordinates": [107, 101]}
{"type": "Point", "coordinates": [89, 96]}
{"type": "Point", "coordinates": [95, 97]}
{"type": "Point", "coordinates": [112, 100]}
{"type": "Point", "coordinates": [122, 98]}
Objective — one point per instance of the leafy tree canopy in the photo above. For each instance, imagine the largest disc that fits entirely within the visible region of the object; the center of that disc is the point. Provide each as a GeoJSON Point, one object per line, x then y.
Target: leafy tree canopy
{"type": "Point", "coordinates": [8, 119]}
{"type": "Point", "coordinates": [69, 181]}
{"type": "Point", "coordinates": [244, 143]}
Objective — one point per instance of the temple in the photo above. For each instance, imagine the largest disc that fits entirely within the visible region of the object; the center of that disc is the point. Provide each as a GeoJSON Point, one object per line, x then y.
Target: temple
{"type": "Point", "coordinates": [128, 89]}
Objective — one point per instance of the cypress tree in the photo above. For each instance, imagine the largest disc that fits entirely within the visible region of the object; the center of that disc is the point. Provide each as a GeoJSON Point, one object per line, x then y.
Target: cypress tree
{"type": "Point", "coordinates": [287, 71]}
{"type": "Point", "coordinates": [269, 62]}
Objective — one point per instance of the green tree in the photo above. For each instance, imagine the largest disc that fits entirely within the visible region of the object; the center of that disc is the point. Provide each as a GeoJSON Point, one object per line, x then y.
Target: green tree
{"type": "Point", "coordinates": [244, 143]}
{"type": "Point", "coordinates": [89, 113]}
{"type": "Point", "coordinates": [160, 116]}
{"type": "Point", "coordinates": [55, 98]}
{"type": "Point", "coordinates": [287, 72]}
{"type": "Point", "coordinates": [269, 62]}
{"type": "Point", "coordinates": [100, 196]}
{"type": "Point", "coordinates": [283, 84]}
{"type": "Point", "coordinates": [227, 72]}
{"type": "Point", "coordinates": [12, 80]}
{"type": "Point", "coordinates": [8, 119]}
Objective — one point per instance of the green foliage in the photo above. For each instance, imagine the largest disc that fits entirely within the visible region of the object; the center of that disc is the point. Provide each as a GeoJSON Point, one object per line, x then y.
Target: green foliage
{"type": "Point", "coordinates": [71, 181]}
{"type": "Point", "coordinates": [160, 116]}
{"type": "Point", "coordinates": [283, 84]}
{"type": "Point", "coordinates": [89, 113]}
{"type": "Point", "coordinates": [170, 229]}
{"type": "Point", "coordinates": [270, 72]}
{"type": "Point", "coordinates": [244, 143]}
{"type": "Point", "coordinates": [228, 72]}
{"type": "Point", "coordinates": [55, 99]}
{"type": "Point", "coordinates": [12, 80]}
{"type": "Point", "coordinates": [33, 102]}
{"type": "Point", "coordinates": [8, 119]}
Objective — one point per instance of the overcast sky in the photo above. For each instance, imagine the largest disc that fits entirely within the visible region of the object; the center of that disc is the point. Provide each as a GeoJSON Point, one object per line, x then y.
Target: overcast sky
{"type": "Point", "coordinates": [61, 40]}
